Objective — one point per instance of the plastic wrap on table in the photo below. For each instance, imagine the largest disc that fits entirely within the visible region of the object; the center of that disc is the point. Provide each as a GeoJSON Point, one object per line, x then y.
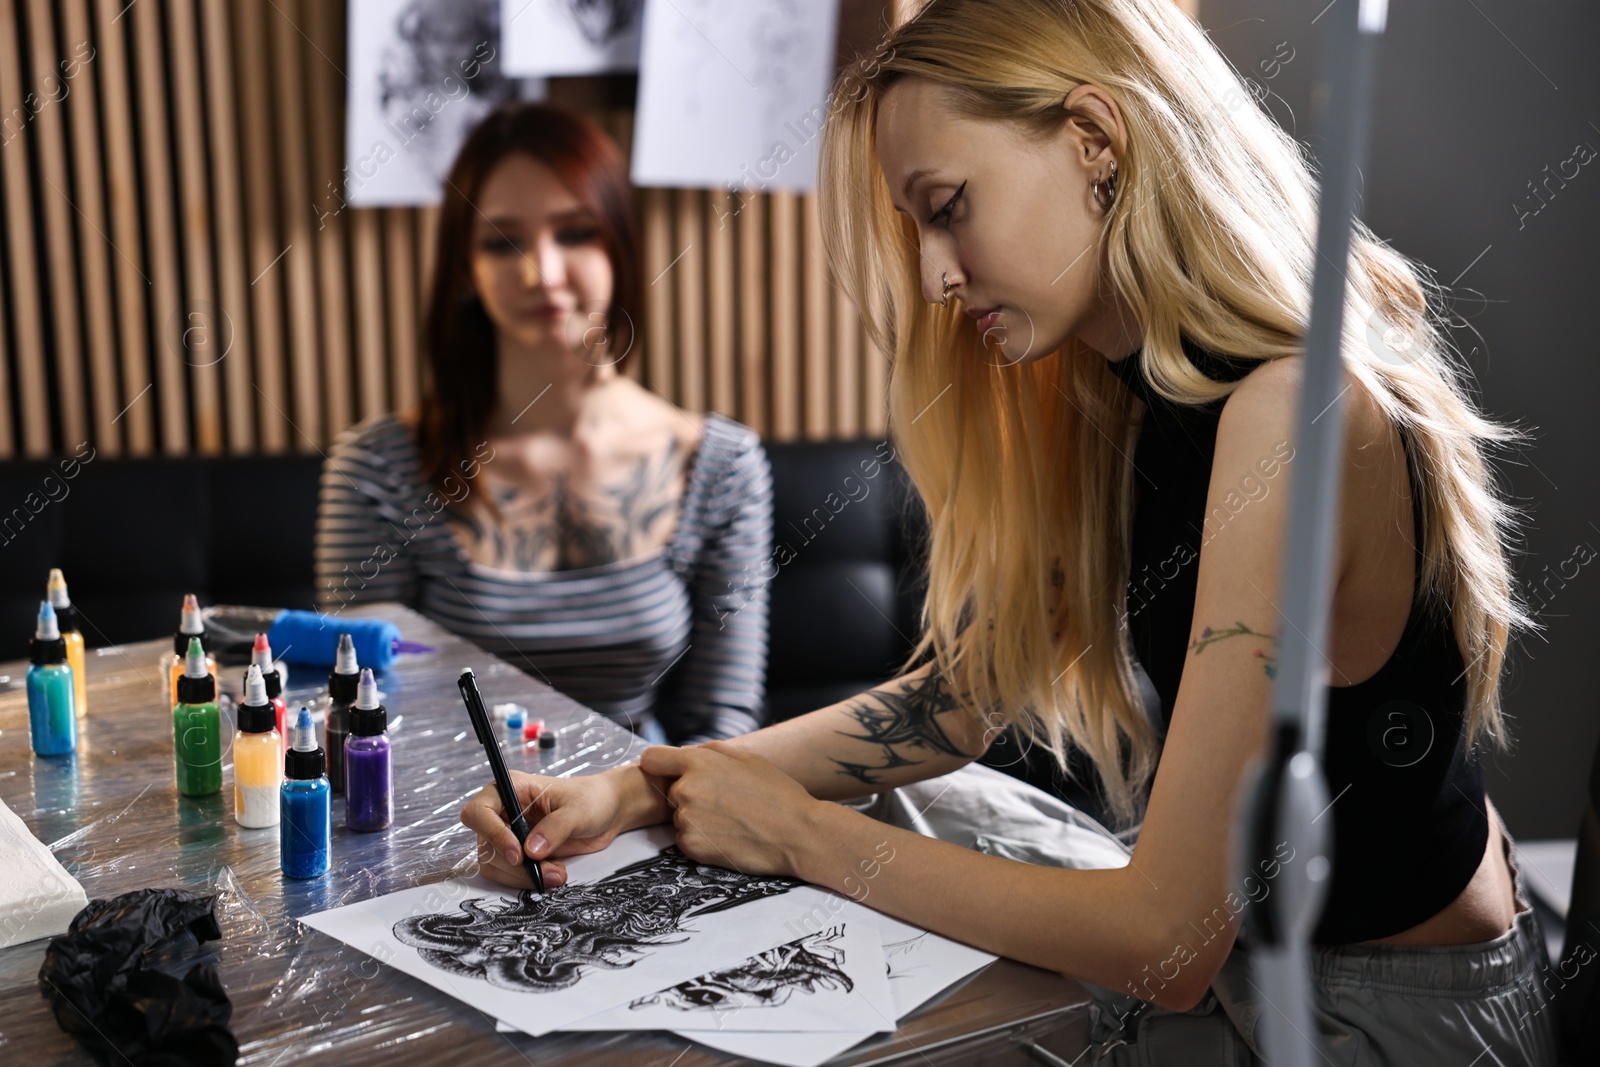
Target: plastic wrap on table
{"type": "Point", "coordinates": [125, 979]}
{"type": "Point", "coordinates": [113, 818]}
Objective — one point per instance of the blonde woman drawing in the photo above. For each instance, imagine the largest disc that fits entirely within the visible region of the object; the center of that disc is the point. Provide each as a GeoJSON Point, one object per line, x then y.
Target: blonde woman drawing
{"type": "Point", "coordinates": [1094, 279]}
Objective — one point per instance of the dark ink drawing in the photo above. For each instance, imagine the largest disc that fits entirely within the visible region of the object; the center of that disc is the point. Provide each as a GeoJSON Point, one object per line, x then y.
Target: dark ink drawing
{"type": "Point", "coordinates": [603, 21]}
{"type": "Point", "coordinates": [906, 951]}
{"type": "Point", "coordinates": [439, 75]}
{"type": "Point", "coordinates": [765, 980]}
{"type": "Point", "coordinates": [538, 944]}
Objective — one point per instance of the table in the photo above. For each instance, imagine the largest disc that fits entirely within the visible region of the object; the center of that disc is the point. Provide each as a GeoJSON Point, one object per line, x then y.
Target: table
{"type": "Point", "coordinates": [114, 818]}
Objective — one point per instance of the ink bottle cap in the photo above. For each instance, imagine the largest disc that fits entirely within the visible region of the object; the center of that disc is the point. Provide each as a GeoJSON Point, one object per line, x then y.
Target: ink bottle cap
{"type": "Point", "coordinates": [533, 730]}
{"type": "Point", "coordinates": [344, 683]}
{"type": "Point", "coordinates": [196, 685]}
{"type": "Point", "coordinates": [261, 656]}
{"type": "Point", "coordinates": [503, 712]}
{"type": "Point", "coordinates": [48, 645]}
{"type": "Point", "coordinates": [191, 626]}
{"type": "Point", "coordinates": [368, 718]}
{"type": "Point", "coordinates": [514, 721]}
{"type": "Point", "coordinates": [305, 759]}
{"type": "Point", "coordinates": [66, 614]}
{"type": "Point", "coordinates": [547, 739]}
{"type": "Point", "coordinates": [256, 713]}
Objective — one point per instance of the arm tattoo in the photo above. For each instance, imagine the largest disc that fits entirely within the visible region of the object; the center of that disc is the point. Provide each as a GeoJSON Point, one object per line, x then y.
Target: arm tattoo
{"type": "Point", "coordinates": [1239, 629]}
{"type": "Point", "coordinates": [899, 722]}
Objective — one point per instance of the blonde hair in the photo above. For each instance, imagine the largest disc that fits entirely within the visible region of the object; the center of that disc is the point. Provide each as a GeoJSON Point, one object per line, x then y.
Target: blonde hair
{"type": "Point", "coordinates": [1023, 469]}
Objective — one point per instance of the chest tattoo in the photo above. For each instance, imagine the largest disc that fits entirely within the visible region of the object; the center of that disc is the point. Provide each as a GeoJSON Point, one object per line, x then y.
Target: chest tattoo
{"type": "Point", "coordinates": [564, 524]}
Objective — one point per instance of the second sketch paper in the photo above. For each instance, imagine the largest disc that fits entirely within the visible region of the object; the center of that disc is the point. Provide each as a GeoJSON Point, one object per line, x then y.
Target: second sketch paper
{"type": "Point", "coordinates": [831, 979]}
{"type": "Point", "coordinates": [920, 964]}
{"type": "Point", "coordinates": [634, 919]}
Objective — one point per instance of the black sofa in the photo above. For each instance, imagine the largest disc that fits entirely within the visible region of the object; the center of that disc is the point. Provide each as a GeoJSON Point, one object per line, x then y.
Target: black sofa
{"type": "Point", "coordinates": [133, 536]}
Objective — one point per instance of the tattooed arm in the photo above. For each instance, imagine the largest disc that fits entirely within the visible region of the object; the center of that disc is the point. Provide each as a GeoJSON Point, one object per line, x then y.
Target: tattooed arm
{"type": "Point", "coordinates": [905, 730]}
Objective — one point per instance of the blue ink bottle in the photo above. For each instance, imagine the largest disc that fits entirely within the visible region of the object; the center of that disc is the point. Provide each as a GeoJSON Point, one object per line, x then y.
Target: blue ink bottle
{"type": "Point", "coordinates": [368, 775]}
{"type": "Point", "coordinates": [52, 717]}
{"type": "Point", "coordinates": [304, 805]}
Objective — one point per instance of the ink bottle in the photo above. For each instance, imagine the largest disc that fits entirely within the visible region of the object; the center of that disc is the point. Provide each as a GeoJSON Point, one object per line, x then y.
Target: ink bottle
{"type": "Point", "coordinates": [52, 720]}
{"type": "Point", "coordinates": [197, 727]}
{"type": "Point", "coordinates": [257, 756]}
{"type": "Point", "coordinates": [343, 685]}
{"type": "Point", "coordinates": [305, 808]}
{"type": "Point", "coordinates": [368, 775]}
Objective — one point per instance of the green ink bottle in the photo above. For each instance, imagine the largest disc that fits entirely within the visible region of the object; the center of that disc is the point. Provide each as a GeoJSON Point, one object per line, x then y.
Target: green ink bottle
{"type": "Point", "coordinates": [197, 727]}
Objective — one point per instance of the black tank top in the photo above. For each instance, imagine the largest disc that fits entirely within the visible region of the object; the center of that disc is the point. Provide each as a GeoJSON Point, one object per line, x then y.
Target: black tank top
{"type": "Point", "coordinates": [1409, 823]}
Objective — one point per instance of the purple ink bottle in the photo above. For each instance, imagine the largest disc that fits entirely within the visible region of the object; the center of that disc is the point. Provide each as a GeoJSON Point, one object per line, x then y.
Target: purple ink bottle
{"type": "Point", "coordinates": [368, 780]}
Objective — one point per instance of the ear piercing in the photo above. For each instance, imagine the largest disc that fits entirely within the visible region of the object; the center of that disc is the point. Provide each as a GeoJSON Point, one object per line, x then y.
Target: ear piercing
{"type": "Point", "coordinates": [1106, 198]}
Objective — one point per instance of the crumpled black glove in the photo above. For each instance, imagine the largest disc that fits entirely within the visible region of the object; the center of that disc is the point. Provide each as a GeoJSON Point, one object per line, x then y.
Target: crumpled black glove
{"type": "Point", "coordinates": [104, 983]}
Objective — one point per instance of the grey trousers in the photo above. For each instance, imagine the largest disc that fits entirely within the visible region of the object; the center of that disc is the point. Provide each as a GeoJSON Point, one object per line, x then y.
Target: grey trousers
{"type": "Point", "coordinates": [1477, 1005]}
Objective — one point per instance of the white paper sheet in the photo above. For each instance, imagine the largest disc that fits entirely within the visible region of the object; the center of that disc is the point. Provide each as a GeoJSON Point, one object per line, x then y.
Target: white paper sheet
{"type": "Point", "coordinates": [422, 73]}
{"type": "Point", "coordinates": [546, 37]}
{"type": "Point", "coordinates": [733, 92]}
{"type": "Point", "coordinates": [920, 965]}
{"type": "Point", "coordinates": [831, 980]}
{"type": "Point", "coordinates": [632, 920]}
{"type": "Point", "coordinates": [38, 898]}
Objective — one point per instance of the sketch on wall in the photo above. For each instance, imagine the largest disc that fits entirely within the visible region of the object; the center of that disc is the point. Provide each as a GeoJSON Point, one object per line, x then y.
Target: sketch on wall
{"type": "Point", "coordinates": [733, 93]}
{"type": "Point", "coordinates": [422, 73]}
{"type": "Point", "coordinates": [564, 37]}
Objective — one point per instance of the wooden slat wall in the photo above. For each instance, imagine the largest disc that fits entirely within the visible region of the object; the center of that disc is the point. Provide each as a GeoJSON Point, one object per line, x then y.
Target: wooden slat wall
{"type": "Point", "coordinates": [178, 277]}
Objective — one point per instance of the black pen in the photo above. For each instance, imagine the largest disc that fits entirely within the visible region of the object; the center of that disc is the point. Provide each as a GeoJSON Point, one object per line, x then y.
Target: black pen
{"type": "Point", "coordinates": [468, 684]}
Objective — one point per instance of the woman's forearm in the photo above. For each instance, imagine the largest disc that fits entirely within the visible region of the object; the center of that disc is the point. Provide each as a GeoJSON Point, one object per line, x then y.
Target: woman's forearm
{"type": "Point", "coordinates": [906, 730]}
{"type": "Point", "coordinates": [641, 798]}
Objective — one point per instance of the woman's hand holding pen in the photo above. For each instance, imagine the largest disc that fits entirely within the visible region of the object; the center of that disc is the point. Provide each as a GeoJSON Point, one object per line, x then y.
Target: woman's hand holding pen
{"type": "Point", "coordinates": [566, 817]}
{"type": "Point", "coordinates": [733, 808]}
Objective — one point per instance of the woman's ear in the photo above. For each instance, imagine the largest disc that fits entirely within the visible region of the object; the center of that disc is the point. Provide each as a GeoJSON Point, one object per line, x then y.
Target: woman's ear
{"type": "Point", "coordinates": [1094, 131]}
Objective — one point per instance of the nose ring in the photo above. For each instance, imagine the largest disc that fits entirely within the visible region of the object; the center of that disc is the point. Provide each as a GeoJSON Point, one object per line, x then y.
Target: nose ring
{"type": "Point", "coordinates": [944, 297]}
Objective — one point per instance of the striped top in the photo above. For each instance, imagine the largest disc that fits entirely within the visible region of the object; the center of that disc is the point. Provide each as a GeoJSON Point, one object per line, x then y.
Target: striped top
{"type": "Point", "coordinates": [679, 634]}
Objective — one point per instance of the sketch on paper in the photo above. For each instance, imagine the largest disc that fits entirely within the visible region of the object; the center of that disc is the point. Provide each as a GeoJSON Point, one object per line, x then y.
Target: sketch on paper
{"type": "Point", "coordinates": [546, 37]}
{"type": "Point", "coordinates": [634, 918]}
{"type": "Point", "coordinates": [765, 980]}
{"type": "Point", "coordinates": [602, 21]}
{"type": "Point", "coordinates": [901, 956]}
{"type": "Point", "coordinates": [733, 93]}
{"type": "Point", "coordinates": [542, 943]}
{"type": "Point", "coordinates": [820, 978]}
{"type": "Point", "coordinates": [422, 74]}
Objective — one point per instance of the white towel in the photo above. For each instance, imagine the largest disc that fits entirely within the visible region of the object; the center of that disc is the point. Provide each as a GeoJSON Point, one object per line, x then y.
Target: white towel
{"type": "Point", "coordinates": [38, 898]}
